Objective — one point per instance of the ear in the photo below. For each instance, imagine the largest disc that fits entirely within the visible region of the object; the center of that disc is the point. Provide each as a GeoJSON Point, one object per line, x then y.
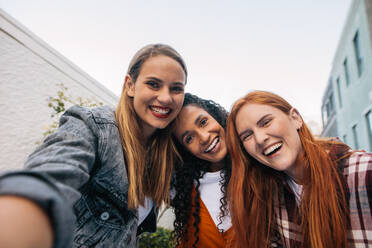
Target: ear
{"type": "Point", "coordinates": [129, 85]}
{"type": "Point", "coordinates": [295, 116]}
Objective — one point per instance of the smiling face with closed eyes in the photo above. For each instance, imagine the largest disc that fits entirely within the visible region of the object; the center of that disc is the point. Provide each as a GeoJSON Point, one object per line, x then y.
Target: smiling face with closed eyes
{"type": "Point", "coordinates": [201, 134]}
{"type": "Point", "coordinates": [271, 137]}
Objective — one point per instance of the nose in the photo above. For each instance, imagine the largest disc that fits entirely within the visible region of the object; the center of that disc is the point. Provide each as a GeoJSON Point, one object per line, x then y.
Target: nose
{"type": "Point", "coordinates": [203, 137]}
{"type": "Point", "coordinates": [164, 96]}
{"type": "Point", "coordinates": [260, 137]}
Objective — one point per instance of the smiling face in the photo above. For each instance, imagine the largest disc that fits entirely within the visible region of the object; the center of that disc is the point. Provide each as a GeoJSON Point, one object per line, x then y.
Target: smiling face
{"type": "Point", "coordinates": [158, 92]}
{"type": "Point", "coordinates": [201, 134]}
{"type": "Point", "coordinates": [271, 137]}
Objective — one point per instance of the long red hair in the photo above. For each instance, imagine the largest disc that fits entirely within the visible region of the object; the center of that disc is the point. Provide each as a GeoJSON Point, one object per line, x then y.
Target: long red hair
{"type": "Point", "coordinates": [254, 187]}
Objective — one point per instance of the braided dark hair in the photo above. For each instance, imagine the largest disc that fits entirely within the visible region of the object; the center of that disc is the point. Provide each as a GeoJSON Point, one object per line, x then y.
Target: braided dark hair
{"type": "Point", "coordinates": [189, 169]}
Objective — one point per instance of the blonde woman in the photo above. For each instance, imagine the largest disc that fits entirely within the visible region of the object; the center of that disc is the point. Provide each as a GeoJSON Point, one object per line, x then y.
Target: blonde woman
{"type": "Point", "coordinates": [96, 181]}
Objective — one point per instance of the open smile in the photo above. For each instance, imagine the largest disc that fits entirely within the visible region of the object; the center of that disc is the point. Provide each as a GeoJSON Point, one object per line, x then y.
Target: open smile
{"type": "Point", "coordinates": [213, 145]}
{"type": "Point", "coordinates": [272, 149]}
{"type": "Point", "coordinates": [160, 112]}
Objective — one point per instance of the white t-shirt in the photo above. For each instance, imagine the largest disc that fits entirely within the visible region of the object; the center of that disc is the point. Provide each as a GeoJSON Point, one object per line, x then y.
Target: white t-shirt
{"type": "Point", "coordinates": [296, 188]}
{"type": "Point", "coordinates": [143, 211]}
{"type": "Point", "coordinates": [210, 194]}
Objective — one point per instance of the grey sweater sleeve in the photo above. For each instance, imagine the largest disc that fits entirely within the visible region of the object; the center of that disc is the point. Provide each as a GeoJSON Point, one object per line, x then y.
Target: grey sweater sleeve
{"type": "Point", "coordinates": [56, 170]}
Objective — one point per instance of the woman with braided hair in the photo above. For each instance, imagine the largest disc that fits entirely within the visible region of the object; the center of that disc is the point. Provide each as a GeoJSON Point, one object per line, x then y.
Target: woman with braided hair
{"type": "Point", "coordinates": [201, 176]}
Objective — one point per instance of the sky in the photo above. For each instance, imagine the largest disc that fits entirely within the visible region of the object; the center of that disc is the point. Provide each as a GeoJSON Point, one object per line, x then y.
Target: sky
{"type": "Point", "coordinates": [230, 47]}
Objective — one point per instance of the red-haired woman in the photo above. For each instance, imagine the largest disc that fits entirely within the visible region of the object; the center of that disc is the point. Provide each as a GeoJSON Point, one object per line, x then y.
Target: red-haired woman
{"type": "Point", "coordinates": [288, 188]}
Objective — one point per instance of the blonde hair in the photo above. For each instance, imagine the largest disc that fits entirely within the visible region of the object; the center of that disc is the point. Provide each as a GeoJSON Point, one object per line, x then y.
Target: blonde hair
{"type": "Point", "coordinates": [149, 165]}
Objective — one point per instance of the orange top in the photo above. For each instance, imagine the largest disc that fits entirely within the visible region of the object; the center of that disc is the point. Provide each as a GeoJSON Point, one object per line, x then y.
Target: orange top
{"type": "Point", "coordinates": [209, 235]}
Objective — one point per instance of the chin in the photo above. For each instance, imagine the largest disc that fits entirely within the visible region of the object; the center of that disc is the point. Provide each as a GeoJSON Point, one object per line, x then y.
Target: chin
{"type": "Point", "coordinates": [161, 125]}
{"type": "Point", "coordinates": [217, 160]}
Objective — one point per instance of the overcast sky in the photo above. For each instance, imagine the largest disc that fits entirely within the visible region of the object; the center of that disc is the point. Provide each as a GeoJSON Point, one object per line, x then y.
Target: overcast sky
{"type": "Point", "coordinates": [230, 47]}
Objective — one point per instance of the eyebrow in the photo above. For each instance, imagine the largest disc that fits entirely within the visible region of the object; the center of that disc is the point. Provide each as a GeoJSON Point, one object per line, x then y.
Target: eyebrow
{"type": "Point", "coordinates": [154, 78]}
{"type": "Point", "coordinates": [178, 84]}
{"type": "Point", "coordinates": [243, 133]}
{"type": "Point", "coordinates": [257, 123]}
{"type": "Point", "coordinates": [160, 81]}
{"type": "Point", "coordinates": [262, 119]}
{"type": "Point", "coordinates": [195, 122]}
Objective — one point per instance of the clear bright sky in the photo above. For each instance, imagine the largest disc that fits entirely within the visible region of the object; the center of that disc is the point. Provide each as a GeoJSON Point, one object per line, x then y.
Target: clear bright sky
{"type": "Point", "coordinates": [230, 47]}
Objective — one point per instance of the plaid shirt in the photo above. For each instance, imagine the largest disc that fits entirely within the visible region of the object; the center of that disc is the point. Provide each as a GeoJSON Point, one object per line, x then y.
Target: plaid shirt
{"type": "Point", "coordinates": [357, 171]}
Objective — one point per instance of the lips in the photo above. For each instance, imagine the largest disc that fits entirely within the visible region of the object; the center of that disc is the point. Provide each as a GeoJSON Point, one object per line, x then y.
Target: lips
{"type": "Point", "coordinates": [272, 149]}
{"type": "Point", "coordinates": [160, 112]}
{"type": "Point", "coordinates": [212, 145]}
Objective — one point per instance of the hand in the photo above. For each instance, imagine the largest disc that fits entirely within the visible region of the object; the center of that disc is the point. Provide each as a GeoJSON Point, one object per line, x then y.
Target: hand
{"type": "Point", "coordinates": [23, 224]}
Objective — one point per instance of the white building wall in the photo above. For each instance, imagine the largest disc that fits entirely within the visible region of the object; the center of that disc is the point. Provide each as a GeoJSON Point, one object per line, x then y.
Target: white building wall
{"type": "Point", "coordinates": [29, 73]}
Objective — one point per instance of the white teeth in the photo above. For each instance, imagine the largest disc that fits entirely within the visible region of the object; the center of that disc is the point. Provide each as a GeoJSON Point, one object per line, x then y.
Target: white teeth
{"type": "Point", "coordinates": [160, 110]}
{"type": "Point", "coordinates": [272, 148]}
{"type": "Point", "coordinates": [214, 143]}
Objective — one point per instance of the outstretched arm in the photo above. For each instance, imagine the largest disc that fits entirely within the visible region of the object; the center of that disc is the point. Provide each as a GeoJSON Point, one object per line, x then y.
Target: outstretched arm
{"type": "Point", "coordinates": [23, 224]}
{"type": "Point", "coordinates": [50, 183]}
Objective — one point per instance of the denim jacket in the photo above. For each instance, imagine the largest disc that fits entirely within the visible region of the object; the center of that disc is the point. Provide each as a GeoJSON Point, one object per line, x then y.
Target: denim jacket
{"type": "Point", "coordinates": [78, 176]}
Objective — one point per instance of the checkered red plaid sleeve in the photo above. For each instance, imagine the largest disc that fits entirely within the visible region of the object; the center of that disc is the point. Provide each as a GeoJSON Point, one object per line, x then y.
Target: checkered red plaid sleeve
{"type": "Point", "coordinates": [357, 170]}
{"type": "Point", "coordinates": [358, 174]}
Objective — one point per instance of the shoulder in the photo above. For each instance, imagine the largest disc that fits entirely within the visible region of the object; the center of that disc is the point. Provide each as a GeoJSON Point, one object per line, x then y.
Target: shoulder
{"type": "Point", "coordinates": [104, 114]}
{"type": "Point", "coordinates": [100, 115]}
{"type": "Point", "coordinates": [357, 169]}
{"type": "Point", "coordinates": [358, 162]}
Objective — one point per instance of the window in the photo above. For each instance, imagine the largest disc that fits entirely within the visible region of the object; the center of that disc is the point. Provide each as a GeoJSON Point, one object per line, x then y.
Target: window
{"type": "Point", "coordinates": [324, 115]}
{"type": "Point", "coordinates": [346, 69]}
{"type": "Point", "coordinates": [355, 136]}
{"type": "Point", "coordinates": [358, 56]}
{"type": "Point", "coordinates": [330, 106]}
{"type": "Point", "coordinates": [327, 109]}
{"type": "Point", "coordinates": [339, 91]}
{"type": "Point", "coordinates": [369, 128]}
{"type": "Point", "coordinates": [345, 138]}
